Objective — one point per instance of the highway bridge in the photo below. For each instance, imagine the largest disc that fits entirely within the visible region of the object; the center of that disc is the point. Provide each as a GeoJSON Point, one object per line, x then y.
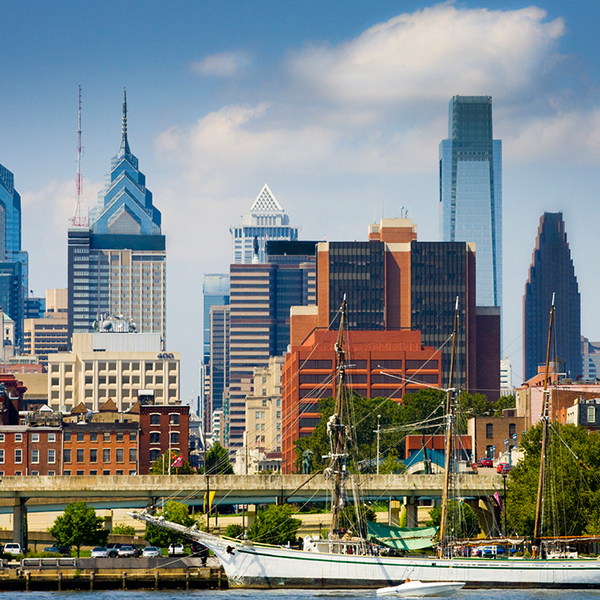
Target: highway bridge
{"type": "Point", "coordinates": [35, 493]}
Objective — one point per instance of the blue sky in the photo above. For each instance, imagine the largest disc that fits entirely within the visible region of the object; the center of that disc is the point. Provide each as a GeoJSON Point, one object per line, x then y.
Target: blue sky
{"type": "Point", "coordinates": [338, 106]}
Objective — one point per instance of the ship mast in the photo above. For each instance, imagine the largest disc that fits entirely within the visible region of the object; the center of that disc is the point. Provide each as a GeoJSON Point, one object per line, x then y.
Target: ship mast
{"type": "Point", "coordinates": [449, 419]}
{"type": "Point", "coordinates": [337, 433]}
{"type": "Point", "coordinates": [537, 534]}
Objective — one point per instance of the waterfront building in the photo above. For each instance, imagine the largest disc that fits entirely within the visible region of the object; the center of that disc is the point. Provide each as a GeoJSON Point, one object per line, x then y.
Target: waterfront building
{"type": "Point", "coordinates": [471, 190]}
{"type": "Point", "coordinates": [265, 221]}
{"type": "Point", "coordinates": [552, 273]}
{"type": "Point", "coordinates": [117, 265]}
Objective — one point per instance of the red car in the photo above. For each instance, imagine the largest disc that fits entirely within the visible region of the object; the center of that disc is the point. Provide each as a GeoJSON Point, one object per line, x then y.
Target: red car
{"type": "Point", "coordinates": [504, 468]}
{"type": "Point", "coordinates": [485, 462]}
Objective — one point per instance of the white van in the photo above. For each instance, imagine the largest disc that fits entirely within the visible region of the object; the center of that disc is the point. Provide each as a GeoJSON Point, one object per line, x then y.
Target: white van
{"type": "Point", "coordinates": [13, 548]}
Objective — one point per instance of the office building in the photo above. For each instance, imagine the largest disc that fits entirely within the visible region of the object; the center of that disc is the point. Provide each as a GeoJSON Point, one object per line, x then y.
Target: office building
{"type": "Point", "coordinates": [117, 265]}
{"type": "Point", "coordinates": [120, 366]}
{"type": "Point", "coordinates": [590, 358]}
{"type": "Point", "coordinates": [261, 296]}
{"type": "Point", "coordinates": [552, 272]}
{"type": "Point", "coordinates": [50, 334]}
{"type": "Point", "coordinates": [218, 376]}
{"type": "Point", "coordinates": [265, 221]}
{"type": "Point", "coordinates": [471, 190]}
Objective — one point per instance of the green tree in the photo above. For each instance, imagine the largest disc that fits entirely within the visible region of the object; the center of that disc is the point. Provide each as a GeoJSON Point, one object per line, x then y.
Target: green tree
{"type": "Point", "coordinates": [176, 512]}
{"type": "Point", "coordinates": [233, 530]}
{"type": "Point", "coordinates": [161, 466]}
{"type": "Point", "coordinates": [502, 403]}
{"type": "Point", "coordinates": [79, 526]}
{"type": "Point", "coordinates": [217, 461]}
{"type": "Point", "coordinates": [120, 529]}
{"type": "Point", "coordinates": [462, 521]}
{"type": "Point", "coordinates": [392, 464]}
{"type": "Point", "coordinates": [275, 525]}
{"type": "Point", "coordinates": [571, 495]}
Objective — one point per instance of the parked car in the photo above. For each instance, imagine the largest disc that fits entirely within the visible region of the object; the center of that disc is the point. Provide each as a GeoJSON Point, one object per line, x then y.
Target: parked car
{"type": "Point", "coordinates": [151, 552]}
{"type": "Point", "coordinates": [128, 551]}
{"type": "Point", "coordinates": [113, 550]}
{"type": "Point", "coordinates": [177, 550]}
{"type": "Point", "coordinates": [485, 462]}
{"type": "Point", "coordinates": [62, 550]}
{"type": "Point", "coordinates": [13, 548]}
{"type": "Point", "coordinates": [100, 552]}
{"type": "Point", "coordinates": [489, 551]}
{"type": "Point", "coordinates": [504, 468]}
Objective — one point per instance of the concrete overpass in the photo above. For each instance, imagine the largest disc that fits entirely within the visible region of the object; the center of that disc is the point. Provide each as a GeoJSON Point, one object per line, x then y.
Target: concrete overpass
{"type": "Point", "coordinates": [19, 494]}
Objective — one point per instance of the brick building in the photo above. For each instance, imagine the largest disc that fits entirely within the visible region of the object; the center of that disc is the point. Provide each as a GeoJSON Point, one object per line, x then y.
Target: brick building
{"type": "Point", "coordinates": [162, 428]}
{"type": "Point", "coordinates": [490, 434]}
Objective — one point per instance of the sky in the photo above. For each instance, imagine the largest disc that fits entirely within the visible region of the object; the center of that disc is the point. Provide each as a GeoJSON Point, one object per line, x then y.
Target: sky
{"type": "Point", "coordinates": [338, 106]}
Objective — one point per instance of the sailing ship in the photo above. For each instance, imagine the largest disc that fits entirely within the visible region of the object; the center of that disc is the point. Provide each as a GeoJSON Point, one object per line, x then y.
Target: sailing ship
{"type": "Point", "coordinates": [344, 562]}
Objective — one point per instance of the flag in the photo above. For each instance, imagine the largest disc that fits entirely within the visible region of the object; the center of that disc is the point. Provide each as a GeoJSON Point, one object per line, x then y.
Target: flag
{"type": "Point", "coordinates": [178, 462]}
{"type": "Point", "coordinates": [497, 499]}
{"type": "Point", "coordinates": [210, 499]}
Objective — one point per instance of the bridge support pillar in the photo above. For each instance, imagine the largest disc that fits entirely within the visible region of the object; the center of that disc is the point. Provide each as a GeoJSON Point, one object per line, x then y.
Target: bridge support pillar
{"type": "Point", "coordinates": [19, 516]}
{"type": "Point", "coordinates": [394, 513]}
{"type": "Point", "coordinates": [251, 516]}
{"type": "Point", "coordinates": [412, 513]}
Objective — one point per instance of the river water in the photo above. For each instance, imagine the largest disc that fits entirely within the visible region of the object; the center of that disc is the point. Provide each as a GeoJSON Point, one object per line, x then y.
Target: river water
{"type": "Point", "coordinates": [291, 595]}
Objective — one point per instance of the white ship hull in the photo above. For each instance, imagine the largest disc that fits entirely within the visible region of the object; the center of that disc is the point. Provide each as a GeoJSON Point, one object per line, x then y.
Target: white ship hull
{"type": "Point", "coordinates": [253, 566]}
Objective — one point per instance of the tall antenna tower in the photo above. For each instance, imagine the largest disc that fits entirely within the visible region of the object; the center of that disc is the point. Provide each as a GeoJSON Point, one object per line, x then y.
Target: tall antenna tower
{"type": "Point", "coordinates": [78, 220]}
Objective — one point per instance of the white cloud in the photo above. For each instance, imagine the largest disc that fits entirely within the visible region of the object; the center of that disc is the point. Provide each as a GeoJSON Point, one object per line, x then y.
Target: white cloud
{"type": "Point", "coordinates": [434, 54]}
{"type": "Point", "coordinates": [225, 64]}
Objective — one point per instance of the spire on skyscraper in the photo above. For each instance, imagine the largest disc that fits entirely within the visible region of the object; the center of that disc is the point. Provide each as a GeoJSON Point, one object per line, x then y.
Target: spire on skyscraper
{"type": "Point", "coordinates": [124, 142]}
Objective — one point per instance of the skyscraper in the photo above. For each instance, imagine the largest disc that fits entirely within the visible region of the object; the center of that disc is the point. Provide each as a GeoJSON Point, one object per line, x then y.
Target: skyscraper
{"type": "Point", "coordinates": [117, 265]}
{"type": "Point", "coordinates": [11, 252]}
{"type": "Point", "coordinates": [471, 190]}
{"type": "Point", "coordinates": [552, 272]}
{"type": "Point", "coordinates": [265, 221]}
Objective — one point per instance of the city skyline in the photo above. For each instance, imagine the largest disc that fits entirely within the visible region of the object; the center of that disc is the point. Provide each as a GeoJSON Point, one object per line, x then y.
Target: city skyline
{"type": "Point", "coordinates": [341, 111]}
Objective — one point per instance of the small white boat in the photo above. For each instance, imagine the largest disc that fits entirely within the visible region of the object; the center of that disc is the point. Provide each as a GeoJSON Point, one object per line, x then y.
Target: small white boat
{"type": "Point", "coordinates": [419, 589]}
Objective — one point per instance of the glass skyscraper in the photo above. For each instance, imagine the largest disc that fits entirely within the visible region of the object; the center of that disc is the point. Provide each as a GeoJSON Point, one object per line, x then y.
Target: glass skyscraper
{"type": "Point", "coordinates": [471, 190]}
{"type": "Point", "coordinates": [117, 265]}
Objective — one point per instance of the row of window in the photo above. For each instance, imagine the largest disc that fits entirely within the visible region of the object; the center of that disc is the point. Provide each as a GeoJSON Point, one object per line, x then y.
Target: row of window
{"type": "Point", "coordinates": [35, 438]}
{"type": "Point", "coordinates": [93, 455]}
{"type": "Point", "coordinates": [106, 436]}
{"type": "Point", "coordinates": [35, 456]}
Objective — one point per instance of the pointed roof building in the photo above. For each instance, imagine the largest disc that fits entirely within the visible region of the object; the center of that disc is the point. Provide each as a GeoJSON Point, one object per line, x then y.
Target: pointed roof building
{"type": "Point", "coordinates": [265, 221]}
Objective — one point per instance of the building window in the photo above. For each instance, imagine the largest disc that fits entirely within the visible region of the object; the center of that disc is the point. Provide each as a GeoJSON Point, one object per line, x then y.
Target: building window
{"type": "Point", "coordinates": [119, 472]}
{"type": "Point", "coordinates": [18, 437]}
{"type": "Point", "coordinates": [155, 437]}
{"type": "Point", "coordinates": [66, 455]}
{"type": "Point", "coordinates": [67, 436]}
{"type": "Point", "coordinates": [93, 436]}
{"type": "Point", "coordinates": [80, 473]}
{"type": "Point", "coordinates": [93, 455]}
{"type": "Point", "coordinates": [132, 436]}
{"type": "Point", "coordinates": [106, 472]}
{"type": "Point", "coordinates": [1, 438]}
{"type": "Point", "coordinates": [591, 414]}
{"type": "Point", "coordinates": [154, 419]}
{"type": "Point", "coordinates": [119, 455]}
{"type": "Point", "coordinates": [106, 455]}
{"type": "Point", "coordinates": [173, 419]}
{"type": "Point", "coordinates": [51, 473]}
{"type": "Point", "coordinates": [93, 472]}
{"type": "Point", "coordinates": [154, 455]}
{"type": "Point", "coordinates": [67, 473]}
{"type": "Point", "coordinates": [18, 456]}
{"type": "Point", "coordinates": [512, 429]}
{"type": "Point", "coordinates": [80, 455]}
{"type": "Point", "coordinates": [35, 438]}
{"type": "Point", "coordinates": [106, 436]}
{"type": "Point", "coordinates": [35, 457]}
{"type": "Point", "coordinates": [1, 457]}
{"type": "Point", "coordinates": [18, 473]}
{"type": "Point", "coordinates": [51, 437]}
{"type": "Point", "coordinates": [80, 436]}
{"type": "Point", "coordinates": [132, 472]}
{"type": "Point", "coordinates": [120, 435]}
{"type": "Point", "coordinates": [132, 454]}
{"type": "Point", "coordinates": [174, 437]}
{"type": "Point", "coordinates": [51, 457]}
{"type": "Point", "coordinates": [489, 430]}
